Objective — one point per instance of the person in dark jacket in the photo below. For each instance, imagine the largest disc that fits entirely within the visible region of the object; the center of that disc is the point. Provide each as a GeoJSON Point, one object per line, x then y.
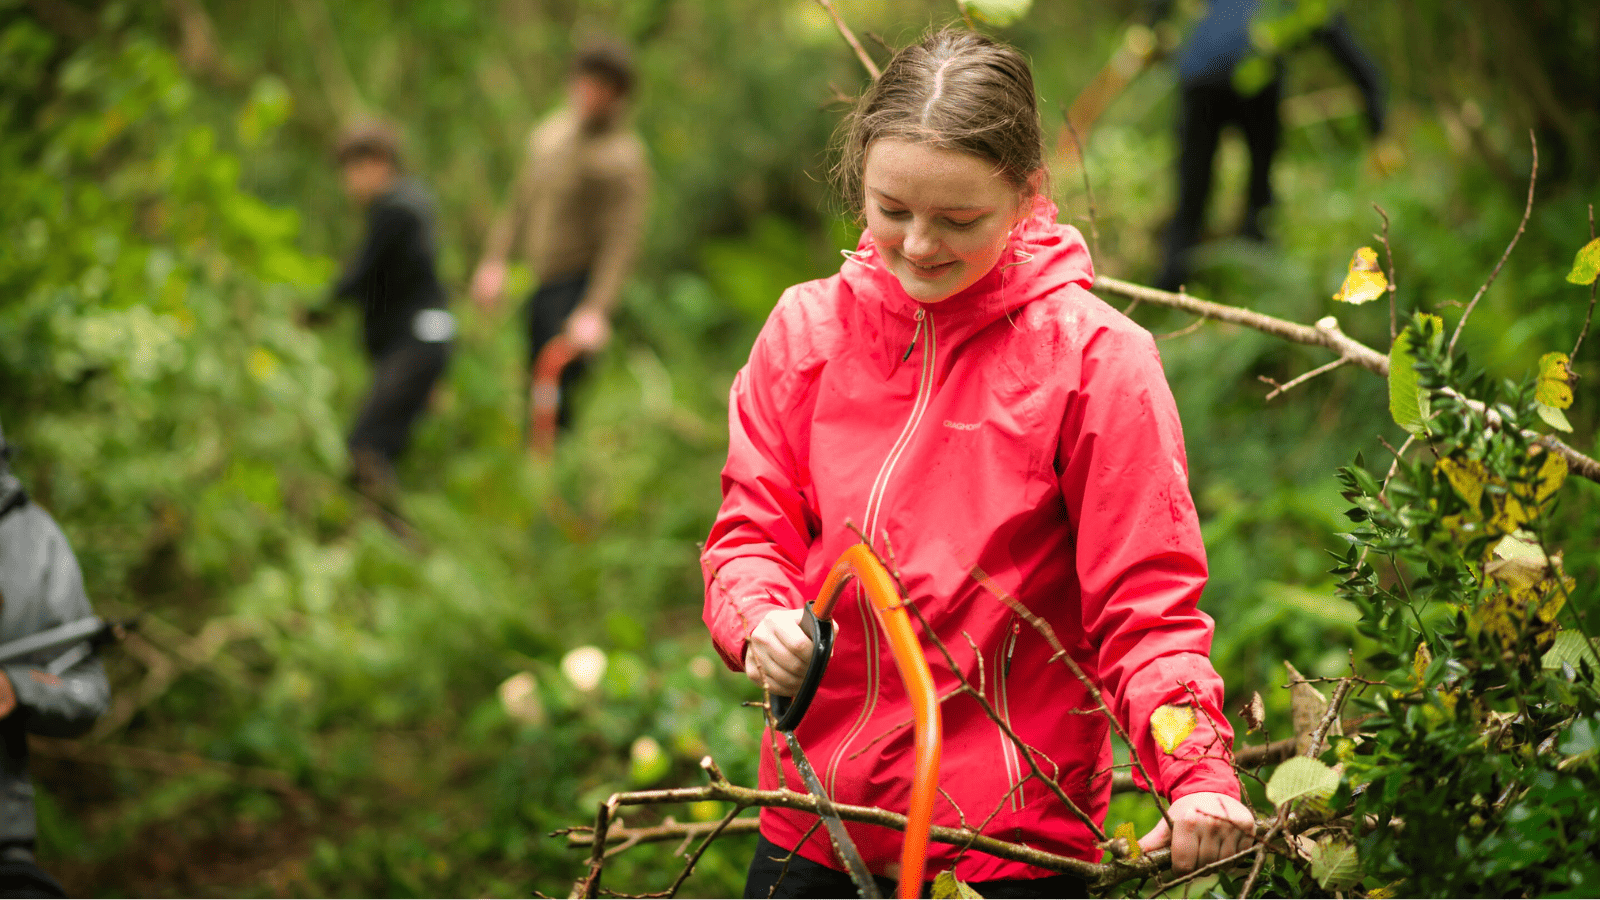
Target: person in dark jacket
{"type": "Point", "coordinates": [41, 587]}
{"type": "Point", "coordinates": [406, 326]}
{"type": "Point", "coordinates": [1211, 100]}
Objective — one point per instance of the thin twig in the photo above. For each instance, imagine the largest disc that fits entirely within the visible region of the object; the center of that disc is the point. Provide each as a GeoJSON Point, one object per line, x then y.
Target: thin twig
{"type": "Point", "coordinates": [670, 830]}
{"type": "Point", "coordinates": [850, 38]}
{"type": "Point", "coordinates": [1394, 324]}
{"type": "Point", "coordinates": [1292, 383]}
{"type": "Point", "coordinates": [1593, 285]}
{"type": "Point", "coordinates": [688, 867]}
{"type": "Point", "coordinates": [1533, 178]}
{"type": "Point", "coordinates": [1185, 331]}
{"type": "Point", "coordinates": [1329, 717]}
{"type": "Point", "coordinates": [1261, 859]}
{"type": "Point", "coordinates": [1088, 189]}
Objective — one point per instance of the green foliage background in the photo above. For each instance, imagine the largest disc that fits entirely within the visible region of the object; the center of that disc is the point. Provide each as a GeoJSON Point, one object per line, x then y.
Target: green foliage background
{"type": "Point", "coordinates": [170, 213]}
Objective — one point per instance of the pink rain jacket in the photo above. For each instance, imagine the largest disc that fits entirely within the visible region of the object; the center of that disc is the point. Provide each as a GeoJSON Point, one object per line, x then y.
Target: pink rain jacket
{"type": "Point", "coordinates": [1021, 427]}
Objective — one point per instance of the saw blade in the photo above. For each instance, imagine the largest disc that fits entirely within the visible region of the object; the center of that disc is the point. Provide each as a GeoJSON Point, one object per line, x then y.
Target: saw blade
{"type": "Point", "coordinates": [866, 885]}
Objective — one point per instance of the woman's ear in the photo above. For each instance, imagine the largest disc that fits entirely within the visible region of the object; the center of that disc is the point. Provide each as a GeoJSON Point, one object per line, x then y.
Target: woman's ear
{"type": "Point", "coordinates": [1030, 190]}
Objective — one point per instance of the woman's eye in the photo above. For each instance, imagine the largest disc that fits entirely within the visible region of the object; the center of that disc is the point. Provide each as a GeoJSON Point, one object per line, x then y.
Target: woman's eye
{"type": "Point", "coordinates": [963, 225]}
{"type": "Point", "coordinates": [894, 213]}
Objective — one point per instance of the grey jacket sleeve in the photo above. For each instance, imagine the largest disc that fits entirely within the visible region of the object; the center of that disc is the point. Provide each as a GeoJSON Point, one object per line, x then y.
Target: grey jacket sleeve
{"type": "Point", "coordinates": [42, 588]}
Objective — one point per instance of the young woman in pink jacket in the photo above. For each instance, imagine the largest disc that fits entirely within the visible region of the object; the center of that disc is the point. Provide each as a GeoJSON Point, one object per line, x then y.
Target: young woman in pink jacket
{"type": "Point", "coordinates": [957, 394]}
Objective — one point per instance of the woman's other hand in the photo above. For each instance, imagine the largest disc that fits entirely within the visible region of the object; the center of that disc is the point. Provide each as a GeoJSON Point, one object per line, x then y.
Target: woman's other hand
{"type": "Point", "coordinates": [778, 652]}
{"type": "Point", "coordinates": [1206, 827]}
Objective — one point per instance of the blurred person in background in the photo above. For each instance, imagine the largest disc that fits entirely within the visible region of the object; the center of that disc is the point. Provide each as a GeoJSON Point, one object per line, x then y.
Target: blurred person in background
{"type": "Point", "coordinates": [406, 326]}
{"type": "Point", "coordinates": [41, 588]}
{"type": "Point", "coordinates": [576, 214]}
{"type": "Point", "coordinates": [1211, 99]}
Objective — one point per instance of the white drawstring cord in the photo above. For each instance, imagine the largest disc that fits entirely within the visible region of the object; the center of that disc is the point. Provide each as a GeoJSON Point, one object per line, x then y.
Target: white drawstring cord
{"type": "Point", "coordinates": [855, 256]}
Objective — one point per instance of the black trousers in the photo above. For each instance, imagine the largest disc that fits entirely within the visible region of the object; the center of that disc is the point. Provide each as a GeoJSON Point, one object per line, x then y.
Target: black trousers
{"type": "Point", "coordinates": [402, 379]}
{"type": "Point", "coordinates": [20, 875]}
{"type": "Point", "coordinates": [1207, 109]}
{"type": "Point", "coordinates": [546, 313]}
{"type": "Point", "coordinates": [804, 878]}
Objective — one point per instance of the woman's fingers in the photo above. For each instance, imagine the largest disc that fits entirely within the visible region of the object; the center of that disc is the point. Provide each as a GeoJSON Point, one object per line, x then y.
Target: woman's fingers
{"type": "Point", "coordinates": [1205, 828]}
{"type": "Point", "coordinates": [778, 652]}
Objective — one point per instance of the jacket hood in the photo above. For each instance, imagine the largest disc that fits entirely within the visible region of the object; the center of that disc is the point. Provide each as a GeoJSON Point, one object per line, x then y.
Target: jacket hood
{"type": "Point", "coordinates": [1041, 256]}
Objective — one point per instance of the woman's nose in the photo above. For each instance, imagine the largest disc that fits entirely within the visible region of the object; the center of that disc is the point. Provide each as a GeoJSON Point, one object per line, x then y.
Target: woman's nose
{"type": "Point", "coordinates": [920, 241]}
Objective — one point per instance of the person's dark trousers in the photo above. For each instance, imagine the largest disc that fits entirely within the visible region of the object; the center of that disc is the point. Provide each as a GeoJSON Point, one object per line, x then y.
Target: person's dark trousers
{"type": "Point", "coordinates": [1205, 110]}
{"type": "Point", "coordinates": [774, 873]}
{"type": "Point", "coordinates": [402, 380]}
{"type": "Point", "coordinates": [546, 313]}
{"type": "Point", "coordinates": [20, 875]}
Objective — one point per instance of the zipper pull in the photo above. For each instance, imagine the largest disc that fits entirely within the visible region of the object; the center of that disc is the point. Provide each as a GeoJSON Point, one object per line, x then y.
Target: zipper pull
{"type": "Point", "coordinates": [1011, 645]}
{"type": "Point", "coordinates": [914, 334]}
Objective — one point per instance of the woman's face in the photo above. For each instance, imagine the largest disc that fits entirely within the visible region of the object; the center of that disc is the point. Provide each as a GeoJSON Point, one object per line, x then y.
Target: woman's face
{"type": "Point", "coordinates": [939, 217]}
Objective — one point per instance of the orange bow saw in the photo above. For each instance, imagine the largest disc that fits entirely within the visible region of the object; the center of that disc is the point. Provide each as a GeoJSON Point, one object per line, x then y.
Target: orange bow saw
{"type": "Point", "coordinates": [859, 563]}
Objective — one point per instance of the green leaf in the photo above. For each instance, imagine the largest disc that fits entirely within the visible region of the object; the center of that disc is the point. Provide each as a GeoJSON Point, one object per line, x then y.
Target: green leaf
{"type": "Point", "coordinates": [1301, 776]}
{"type": "Point", "coordinates": [998, 13]}
{"type": "Point", "coordinates": [1554, 417]}
{"type": "Point", "coordinates": [1335, 865]}
{"type": "Point", "coordinates": [947, 886]}
{"type": "Point", "coordinates": [1586, 265]}
{"type": "Point", "coordinates": [1407, 404]}
{"type": "Point", "coordinates": [1570, 648]}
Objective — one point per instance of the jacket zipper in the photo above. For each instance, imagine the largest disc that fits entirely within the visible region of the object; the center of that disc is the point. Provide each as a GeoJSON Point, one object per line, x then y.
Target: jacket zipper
{"type": "Point", "coordinates": [880, 486]}
{"type": "Point", "coordinates": [1003, 707]}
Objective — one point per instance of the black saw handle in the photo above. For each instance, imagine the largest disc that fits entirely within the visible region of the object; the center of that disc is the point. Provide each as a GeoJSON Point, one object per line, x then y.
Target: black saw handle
{"type": "Point", "coordinates": [789, 710]}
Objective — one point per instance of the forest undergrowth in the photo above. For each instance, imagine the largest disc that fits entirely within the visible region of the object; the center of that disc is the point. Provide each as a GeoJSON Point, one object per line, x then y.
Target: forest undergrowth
{"type": "Point", "coordinates": [314, 706]}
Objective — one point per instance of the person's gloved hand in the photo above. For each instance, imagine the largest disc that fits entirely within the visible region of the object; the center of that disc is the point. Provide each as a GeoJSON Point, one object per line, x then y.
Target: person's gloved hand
{"type": "Point", "coordinates": [1206, 827]}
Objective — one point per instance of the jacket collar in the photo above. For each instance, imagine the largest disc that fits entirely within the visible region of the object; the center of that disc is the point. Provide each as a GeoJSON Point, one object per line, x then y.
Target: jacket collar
{"type": "Point", "coordinates": [1041, 257]}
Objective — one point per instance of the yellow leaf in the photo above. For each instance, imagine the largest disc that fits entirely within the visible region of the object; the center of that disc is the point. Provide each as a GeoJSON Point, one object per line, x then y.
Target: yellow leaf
{"type": "Point", "coordinates": [1555, 381]}
{"type": "Point", "coordinates": [262, 363]}
{"type": "Point", "coordinates": [1126, 834]}
{"type": "Point", "coordinates": [1420, 663]}
{"type": "Point", "coordinates": [1587, 264]}
{"type": "Point", "coordinates": [1552, 473]}
{"type": "Point", "coordinates": [1467, 477]}
{"type": "Point", "coordinates": [1170, 724]}
{"type": "Point", "coordinates": [948, 887]}
{"type": "Point", "coordinates": [1364, 281]}
{"type": "Point", "coordinates": [1519, 564]}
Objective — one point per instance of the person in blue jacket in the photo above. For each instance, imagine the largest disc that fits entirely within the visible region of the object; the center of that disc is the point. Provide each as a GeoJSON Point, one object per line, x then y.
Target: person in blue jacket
{"type": "Point", "coordinates": [41, 588]}
{"type": "Point", "coordinates": [1210, 101]}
